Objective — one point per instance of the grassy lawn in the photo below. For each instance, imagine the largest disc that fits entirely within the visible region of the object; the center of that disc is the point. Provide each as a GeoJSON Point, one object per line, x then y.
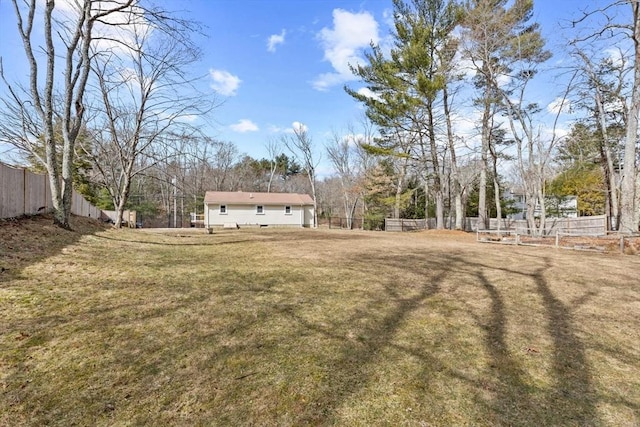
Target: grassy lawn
{"type": "Point", "coordinates": [311, 327]}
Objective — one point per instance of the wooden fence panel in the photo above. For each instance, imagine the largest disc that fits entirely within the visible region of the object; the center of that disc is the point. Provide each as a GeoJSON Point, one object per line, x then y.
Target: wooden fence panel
{"type": "Point", "coordinates": [580, 225]}
{"type": "Point", "coordinates": [391, 224]}
{"type": "Point", "coordinates": [12, 194]}
{"type": "Point", "coordinates": [37, 193]}
{"type": "Point", "coordinates": [23, 192]}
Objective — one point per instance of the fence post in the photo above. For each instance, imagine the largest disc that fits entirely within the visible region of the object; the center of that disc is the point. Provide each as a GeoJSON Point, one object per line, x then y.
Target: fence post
{"type": "Point", "coordinates": [557, 238]}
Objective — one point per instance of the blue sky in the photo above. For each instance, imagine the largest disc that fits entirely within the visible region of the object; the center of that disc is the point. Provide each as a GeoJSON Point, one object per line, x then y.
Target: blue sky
{"type": "Point", "coordinates": [272, 63]}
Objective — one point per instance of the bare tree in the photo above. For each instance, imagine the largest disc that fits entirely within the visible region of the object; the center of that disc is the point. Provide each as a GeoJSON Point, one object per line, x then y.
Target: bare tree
{"type": "Point", "coordinates": [301, 145]}
{"type": "Point", "coordinates": [600, 89]}
{"type": "Point", "coordinates": [605, 26]}
{"type": "Point", "coordinates": [343, 154]}
{"type": "Point", "coordinates": [629, 210]}
{"type": "Point", "coordinates": [273, 150]}
{"type": "Point", "coordinates": [148, 102]}
{"type": "Point", "coordinates": [37, 108]}
{"type": "Point", "coordinates": [497, 38]}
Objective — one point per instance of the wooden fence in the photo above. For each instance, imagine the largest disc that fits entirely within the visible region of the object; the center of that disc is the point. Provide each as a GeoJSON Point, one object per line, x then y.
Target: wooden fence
{"type": "Point", "coordinates": [26, 193]}
{"type": "Point", "coordinates": [393, 224]}
{"type": "Point", "coordinates": [581, 225]}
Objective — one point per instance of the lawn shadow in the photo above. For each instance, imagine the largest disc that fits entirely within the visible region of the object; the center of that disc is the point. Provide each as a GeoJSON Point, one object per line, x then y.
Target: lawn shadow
{"type": "Point", "coordinates": [28, 240]}
{"type": "Point", "coordinates": [514, 400]}
{"type": "Point", "coordinates": [355, 358]}
{"type": "Point", "coordinates": [213, 349]}
{"type": "Point", "coordinates": [572, 398]}
{"type": "Point", "coordinates": [176, 243]}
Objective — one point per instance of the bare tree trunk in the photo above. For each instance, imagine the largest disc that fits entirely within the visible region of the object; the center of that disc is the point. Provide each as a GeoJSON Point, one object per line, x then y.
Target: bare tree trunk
{"type": "Point", "coordinates": [455, 186]}
{"type": "Point", "coordinates": [123, 195]}
{"type": "Point", "coordinates": [426, 203]}
{"type": "Point", "coordinates": [398, 197]}
{"type": "Point", "coordinates": [482, 190]}
{"type": "Point", "coordinates": [272, 149]}
{"type": "Point", "coordinates": [76, 37]}
{"type": "Point", "coordinates": [496, 191]}
{"type": "Point", "coordinates": [628, 208]}
{"type": "Point", "coordinates": [612, 202]}
{"type": "Point", "coordinates": [300, 144]}
{"type": "Point", "coordinates": [543, 212]}
{"type": "Point", "coordinates": [435, 163]}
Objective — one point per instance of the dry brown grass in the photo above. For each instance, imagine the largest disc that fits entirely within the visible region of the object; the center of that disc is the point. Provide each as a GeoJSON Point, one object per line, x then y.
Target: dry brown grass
{"type": "Point", "coordinates": [310, 327]}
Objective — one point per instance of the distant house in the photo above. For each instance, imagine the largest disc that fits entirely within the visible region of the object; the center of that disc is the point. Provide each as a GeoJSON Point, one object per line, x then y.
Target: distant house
{"type": "Point", "coordinates": [564, 207]}
{"type": "Point", "coordinates": [229, 208]}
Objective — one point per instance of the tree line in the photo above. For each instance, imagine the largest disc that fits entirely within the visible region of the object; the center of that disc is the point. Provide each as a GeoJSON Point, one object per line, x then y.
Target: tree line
{"type": "Point", "coordinates": [110, 106]}
{"type": "Point", "coordinates": [444, 50]}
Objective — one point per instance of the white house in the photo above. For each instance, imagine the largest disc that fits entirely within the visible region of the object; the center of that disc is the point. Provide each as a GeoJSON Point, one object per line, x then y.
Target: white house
{"type": "Point", "coordinates": [565, 207]}
{"type": "Point", "coordinates": [257, 209]}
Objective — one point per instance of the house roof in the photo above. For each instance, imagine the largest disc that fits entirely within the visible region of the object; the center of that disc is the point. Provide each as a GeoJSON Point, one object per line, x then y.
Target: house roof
{"type": "Point", "coordinates": [255, 198]}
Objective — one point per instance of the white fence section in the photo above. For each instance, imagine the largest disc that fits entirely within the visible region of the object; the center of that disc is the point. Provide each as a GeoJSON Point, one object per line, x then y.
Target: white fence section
{"type": "Point", "coordinates": [26, 193]}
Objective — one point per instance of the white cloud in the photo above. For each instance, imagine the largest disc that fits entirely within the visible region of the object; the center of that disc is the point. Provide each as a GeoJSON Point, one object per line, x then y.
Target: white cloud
{"type": "Point", "coordinates": [615, 55]}
{"type": "Point", "coordinates": [365, 91]}
{"type": "Point", "coordinates": [275, 129]}
{"type": "Point", "coordinates": [245, 125]}
{"type": "Point", "coordinates": [503, 80]}
{"type": "Point", "coordinates": [353, 139]}
{"type": "Point", "coordinates": [466, 126]}
{"type": "Point", "coordinates": [559, 105]}
{"type": "Point", "coordinates": [224, 82]}
{"type": "Point", "coordinates": [189, 118]}
{"type": "Point", "coordinates": [343, 45]}
{"type": "Point", "coordinates": [327, 80]}
{"type": "Point", "coordinates": [388, 18]}
{"type": "Point", "coordinates": [118, 31]}
{"type": "Point", "coordinates": [464, 66]}
{"type": "Point", "coordinates": [274, 40]}
{"type": "Point", "coordinates": [297, 127]}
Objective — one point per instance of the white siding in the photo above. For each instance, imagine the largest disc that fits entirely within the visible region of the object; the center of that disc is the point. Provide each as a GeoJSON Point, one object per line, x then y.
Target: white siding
{"type": "Point", "coordinates": [308, 216]}
{"type": "Point", "coordinates": [246, 215]}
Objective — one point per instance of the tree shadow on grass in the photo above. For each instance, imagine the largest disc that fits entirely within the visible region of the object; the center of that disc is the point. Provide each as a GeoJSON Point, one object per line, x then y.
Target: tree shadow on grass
{"type": "Point", "coordinates": [571, 400]}
{"type": "Point", "coordinates": [355, 357]}
{"type": "Point", "coordinates": [30, 239]}
{"type": "Point", "coordinates": [156, 361]}
{"type": "Point", "coordinates": [514, 398]}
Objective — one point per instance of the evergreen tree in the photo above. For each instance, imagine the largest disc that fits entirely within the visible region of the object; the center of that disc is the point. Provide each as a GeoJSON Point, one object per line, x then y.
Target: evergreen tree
{"type": "Point", "coordinates": [409, 83]}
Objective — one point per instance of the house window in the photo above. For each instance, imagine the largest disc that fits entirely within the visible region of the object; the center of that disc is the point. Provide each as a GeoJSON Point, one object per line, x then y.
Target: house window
{"type": "Point", "coordinates": [287, 210]}
{"type": "Point", "coordinates": [260, 210]}
{"type": "Point", "coordinates": [223, 209]}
